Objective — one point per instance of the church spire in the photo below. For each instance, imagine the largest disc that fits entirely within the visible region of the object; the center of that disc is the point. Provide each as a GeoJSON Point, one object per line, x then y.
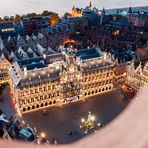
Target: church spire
{"type": "Point", "coordinates": [130, 10]}
{"type": "Point", "coordinates": [103, 11]}
{"type": "Point", "coordinates": [117, 11]}
{"type": "Point", "coordinates": [73, 8]}
{"type": "Point", "coordinates": [90, 5]}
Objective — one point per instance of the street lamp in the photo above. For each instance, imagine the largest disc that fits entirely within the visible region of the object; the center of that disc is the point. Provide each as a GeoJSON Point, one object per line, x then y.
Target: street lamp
{"type": "Point", "coordinates": [43, 135]}
{"type": "Point", "coordinates": [89, 123]}
{"type": "Point", "coordinates": [43, 139]}
{"type": "Point", "coordinates": [82, 120]}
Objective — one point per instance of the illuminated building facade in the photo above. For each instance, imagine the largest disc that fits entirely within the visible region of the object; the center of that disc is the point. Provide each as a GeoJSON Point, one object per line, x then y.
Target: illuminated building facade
{"type": "Point", "coordinates": [35, 82]}
{"type": "Point", "coordinates": [137, 77]}
{"type": "Point", "coordinates": [91, 15]}
{"type": "Point", "coordinates": [121, 72]}
{"type": "Point", "coordinates": [7, 29]}
{"type": "Point", "coordinates": [76, 12]}
{"type": "Point", "coordinates": [4, 75]}
{"type": "Point", "coordinates": [61, 78]}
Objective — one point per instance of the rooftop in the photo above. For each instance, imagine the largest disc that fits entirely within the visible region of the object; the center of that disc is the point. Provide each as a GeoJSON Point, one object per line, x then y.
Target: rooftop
{"type": "Point", "coordinates": [39, 62]}
{"type": "Point", "coordinates": [34, 18]}
{"type": "Point", "coordinates": [91, 65]}
{"type": "Point", "coordinates": [39, 76]}
{"type": "Point", "coordinates": [89, 53]}
{"type": "Point", "coordinates": [47, 68]}
{"type": "Point", "coordinates": [6, 24]}
{"type": "Point", "coordinates": [57, 28]}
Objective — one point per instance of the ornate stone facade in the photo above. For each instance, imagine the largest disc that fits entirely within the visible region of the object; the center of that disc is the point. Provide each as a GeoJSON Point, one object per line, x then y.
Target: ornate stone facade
{"type": "Point", "coordinates": [137, 77]}
{"type": "Point", "coordinates": [4, 75]}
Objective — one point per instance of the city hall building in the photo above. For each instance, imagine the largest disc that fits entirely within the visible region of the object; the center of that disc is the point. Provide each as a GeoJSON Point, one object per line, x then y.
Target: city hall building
{"type": "Point", "coordinates": [61, 78]}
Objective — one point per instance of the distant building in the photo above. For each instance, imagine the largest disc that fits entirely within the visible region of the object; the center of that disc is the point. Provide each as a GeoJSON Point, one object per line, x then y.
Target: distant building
{"type": "Point", "coordinates": [25, 47]}
{"type": "Point", "coordinates": [76, 12]}
{"type": "Point", "coordinates": [137, 77]}
{"type": "Point", "coordinates": [117, 17]}
{"type": "Point", "coordinates": [56, 35]}
{"type": "Point", "coordinates": [139, 18]}
{"type": "Point", "coordinates": [33, 25]}
{"type": "Point", "coordinates": [4, 65]}
{"type": "Point", "coordinates": [124, 56]}
{"type": "Point", "coordinates": [77, 23]}
{"type": "Point", "coordinates": [91, 15]}
{"type": "Point", "coordinates": [8, 29]}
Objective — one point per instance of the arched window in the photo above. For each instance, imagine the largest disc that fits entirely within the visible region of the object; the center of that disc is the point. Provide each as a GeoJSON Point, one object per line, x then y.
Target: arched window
{"type": "Point", "coordinates": [38, 99]}
{"type": "Point", "coordinates": [28, 108]}
{"type": "Point", "coordinates": [33, 107]}
{"type": "Point", "coordinates": [49, 96]}
{"type": "Point", "coordinates": [29, 100]}
{"type": "Point", "coordinates": [45, 97]}
{"type": "Point", "coordinates": [41, 98]}
{"type": "Point", "coordinates": [65, 101]}
{"type": "Point", "coordinates": [24, 109]}
{"type": "Point", "coordinates": [37, 106]}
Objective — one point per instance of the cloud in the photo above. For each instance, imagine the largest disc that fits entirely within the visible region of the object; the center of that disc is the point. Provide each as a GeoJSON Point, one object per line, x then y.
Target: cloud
{"type": "Point", "coordinates": [12, 7]}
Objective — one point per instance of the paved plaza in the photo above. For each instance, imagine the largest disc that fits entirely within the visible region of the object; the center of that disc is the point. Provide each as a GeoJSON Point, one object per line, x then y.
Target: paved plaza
{"type": "Point", "coordinates": [59, 120]}
{"type": "Point", "coordinates": [6, 103]}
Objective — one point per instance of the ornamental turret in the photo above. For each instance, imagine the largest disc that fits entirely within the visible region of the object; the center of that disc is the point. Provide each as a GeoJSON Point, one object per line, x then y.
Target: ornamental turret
{"type": "Point", "coordinates": [71, 75]}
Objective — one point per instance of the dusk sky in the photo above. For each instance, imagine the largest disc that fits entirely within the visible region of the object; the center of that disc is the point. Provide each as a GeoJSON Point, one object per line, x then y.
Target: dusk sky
{"type": "Point", "coordinates": [12, 7]}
